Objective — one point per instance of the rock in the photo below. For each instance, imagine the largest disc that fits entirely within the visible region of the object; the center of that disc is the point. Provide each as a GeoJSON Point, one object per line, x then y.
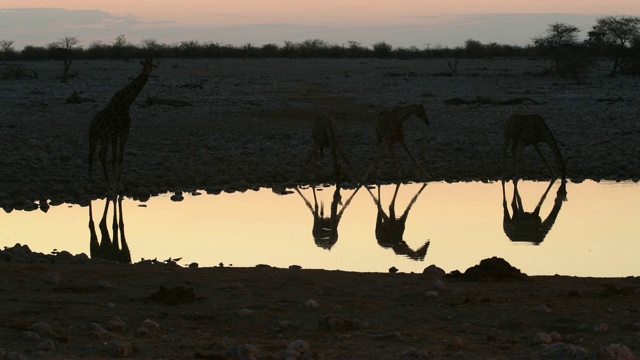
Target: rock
{"type": "Point", "coordinates": [151, 326]}
{"type": "Point", "coordinates": [119, 348]}
{"type": "Point", "coordinates": [116, 324]}
{"type": "Point", "coordinates": [245, 312]}
{"type": "Point", "coordinates": [563, 351]}
{"type": "Point", "coordinates": [542, 338]}
{"type": "Point", "coordinates": [46, 345]}
{"type": "Point", "coordinates": [393, 270]}
{"type": "Point", "coordinates": [614, 352]}
{"type": "Point", "coordinates": [43, 329]}
{"type": "Point", "coordinates": [30, 335]}
{"type": "Point", "coordinates": [431, 294]}
{"type": "Point", "coordinates": [602, 327]}
{"type": "Point", "coordinates": [98, 331]}
{"type": "Point", "coordinates": [439, 284]}
{"type": "Point", "coordinates": [433, 272]}
{"type": "Point", "coordinates": [456, 342]}
{"type": "Point", "coordinates": [244, 352]}
{"type": "Point", "coordinates": [300, 346]}
{"type": "Point", "coordinates": [493, 269]}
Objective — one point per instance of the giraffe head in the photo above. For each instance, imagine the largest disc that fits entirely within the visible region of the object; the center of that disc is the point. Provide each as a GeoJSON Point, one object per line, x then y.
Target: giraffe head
{"type": "Point", "coordinates": [421, 114]}
{"type": "Point", "coordinates": [147, 66]}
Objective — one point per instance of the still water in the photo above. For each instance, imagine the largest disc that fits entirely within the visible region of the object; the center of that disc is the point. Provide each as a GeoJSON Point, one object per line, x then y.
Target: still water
{"type": "Point", "coordinates": [594, 232]}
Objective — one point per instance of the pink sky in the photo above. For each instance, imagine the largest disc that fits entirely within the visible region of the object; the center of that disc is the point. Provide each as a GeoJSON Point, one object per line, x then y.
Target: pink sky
{"type": "Point", "coordinates": [238, 22]}
{"type": "Point", "coordinates": [326, 12]}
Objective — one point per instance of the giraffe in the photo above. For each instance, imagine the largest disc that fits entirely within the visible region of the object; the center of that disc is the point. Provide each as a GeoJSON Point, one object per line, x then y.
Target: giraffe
{"type": "Point", "coordinates": [390, 130]}
{"type": "Point", "coordinates": [325, 229]}
{"type": "Point", "coordinates": [108, 249]}
{"type": "Point", "coordinates": [110, 126]}
{"type": "Point", "coordinates": [324, 135]}
{"type": "Point", "coordinates": [528, 226]}
{"type": "Point", "coordinates": [521, 130]}
{"type": "Point", "coordinates": [390, 229]}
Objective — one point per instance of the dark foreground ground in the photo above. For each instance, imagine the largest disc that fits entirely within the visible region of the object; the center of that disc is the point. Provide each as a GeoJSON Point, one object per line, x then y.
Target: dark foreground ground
{"type": "Point", "coordinates": [160, 311]}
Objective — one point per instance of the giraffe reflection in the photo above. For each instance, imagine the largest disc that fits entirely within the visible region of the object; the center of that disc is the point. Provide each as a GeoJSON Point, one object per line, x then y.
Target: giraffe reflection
{"type": "Point", "coordinates": [529, 226]}
{"type": "Point", "coordinates": [390, 229]}
{"type": "Point", "coordinates": [115, 249]}
{"type": "Point", "coordinates": [325, 229]}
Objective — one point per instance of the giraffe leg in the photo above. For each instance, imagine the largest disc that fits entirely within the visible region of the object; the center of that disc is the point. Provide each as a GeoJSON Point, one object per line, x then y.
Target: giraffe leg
{"type": "Point", "coordinates": [504, 157]}
{"type": "Point", "coordinates": [535, 146]}
{"type": "Point", "coordinates": [375, 162]}
{"type": "Point", "coordinates": [114, 159]}
{"type": "Point", "coordinates": [310, 157]}
{"type": "Point", "coordinates": [353, 171]}
{"type": "Point", "coordinates": [395, 163]}
{"type": "Point", "coordinates": [92, 151]}
{"type": "Point", "coordinates": [123, 139]}
{"type": "Point", "coordinates": [104, 146]}
{"type": "Point", "coordinates": [517, 153]}
{"type": "Point", "coordinates": [544, 196]}
{"type": "Point", "coordinates": [415, 162]}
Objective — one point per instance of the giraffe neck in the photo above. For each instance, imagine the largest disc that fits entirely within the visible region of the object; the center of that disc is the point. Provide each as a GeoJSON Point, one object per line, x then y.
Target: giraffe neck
{"type": "Point", "coordinates": [402, 113]}
{"type": "Point", "coordinates": [124, 97]}
{"type": "Point", "coordinates": [551, 140]}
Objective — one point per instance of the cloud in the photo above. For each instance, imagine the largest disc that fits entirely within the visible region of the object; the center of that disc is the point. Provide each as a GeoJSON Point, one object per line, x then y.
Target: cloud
{"type": "Point", "coordinates": [42, 26]}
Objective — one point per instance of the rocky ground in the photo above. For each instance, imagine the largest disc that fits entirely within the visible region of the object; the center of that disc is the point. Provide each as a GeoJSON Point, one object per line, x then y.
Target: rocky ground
{"type": "Point", "coordinates": [245, 123]}
{"type": "Point", "coordinates": [51, 309]}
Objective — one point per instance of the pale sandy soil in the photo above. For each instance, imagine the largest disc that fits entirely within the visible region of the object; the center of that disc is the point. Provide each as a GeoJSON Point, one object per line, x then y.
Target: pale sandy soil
{"type": "Point", "coordinates": [247, 126]}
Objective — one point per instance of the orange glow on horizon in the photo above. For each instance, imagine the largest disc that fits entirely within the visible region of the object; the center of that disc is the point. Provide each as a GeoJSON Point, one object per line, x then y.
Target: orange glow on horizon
{"type": "Point", "coordinates": [331, 12]}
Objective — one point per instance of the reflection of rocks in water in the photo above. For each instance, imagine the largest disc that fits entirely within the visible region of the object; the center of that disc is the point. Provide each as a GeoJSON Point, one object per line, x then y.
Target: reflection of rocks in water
{"type": "Point", "coordinates": [325, 228]}
{"type": "Point", "coordinates": [115, 249]}
{"type": "Point", "coordinates": [390, 229]}
{"type": "Point", "coordinates": [529, 226]}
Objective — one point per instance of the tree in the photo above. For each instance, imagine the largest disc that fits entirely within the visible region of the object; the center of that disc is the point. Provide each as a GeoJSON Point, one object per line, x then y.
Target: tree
{"type": "Point", "coordinates": [65, 49]}
{"type": "Point", "coordinates": [560, 42]}
{"type": "Point", "coordinates": [382, 49]}
{"type": "Point", "coordinates": [6, 49]}
{"type": "Point", "coordinates": [474, 48]}
{"type": "Point", "coordinates": [616, 32]}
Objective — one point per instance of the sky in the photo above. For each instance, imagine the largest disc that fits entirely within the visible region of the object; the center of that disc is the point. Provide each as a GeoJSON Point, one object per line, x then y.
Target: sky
{"type": "Point", "coordinates": [401, 23]}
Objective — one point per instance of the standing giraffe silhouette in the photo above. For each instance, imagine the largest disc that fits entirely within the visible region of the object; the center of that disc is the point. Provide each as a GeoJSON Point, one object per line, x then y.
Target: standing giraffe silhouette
{"type": "Point", "coordinates": [110, 127]}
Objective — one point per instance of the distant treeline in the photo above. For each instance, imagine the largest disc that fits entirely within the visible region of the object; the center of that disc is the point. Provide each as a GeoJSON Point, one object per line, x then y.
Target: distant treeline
{"type": "Point", "coordinates": [313, 48]}
{"type": "Point", "coordinates": [615, 37]}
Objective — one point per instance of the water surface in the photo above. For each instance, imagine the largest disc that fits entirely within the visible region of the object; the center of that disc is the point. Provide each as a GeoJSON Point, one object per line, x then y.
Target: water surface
{"type": "Point", "coordinates": [593, 233]}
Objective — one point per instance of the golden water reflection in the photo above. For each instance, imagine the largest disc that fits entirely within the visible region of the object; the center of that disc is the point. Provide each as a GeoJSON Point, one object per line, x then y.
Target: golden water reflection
{"type": "Point", "coordinates": [594, 233]}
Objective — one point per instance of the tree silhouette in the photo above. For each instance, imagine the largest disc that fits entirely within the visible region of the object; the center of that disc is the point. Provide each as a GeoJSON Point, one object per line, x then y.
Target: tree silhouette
{"type": "Point", "coordinates": [617, 32]}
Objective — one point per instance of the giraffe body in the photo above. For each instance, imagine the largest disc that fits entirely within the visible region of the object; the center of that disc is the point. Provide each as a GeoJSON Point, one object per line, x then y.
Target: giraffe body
{"type": "Point", "coordinates": [324, 135]}
{"type": "Point", "coordinates": [522, 130]}
{"type": "Point", "coordinates": [389, 127]}
{"type": "Point", "coordinates": [110, 126]}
